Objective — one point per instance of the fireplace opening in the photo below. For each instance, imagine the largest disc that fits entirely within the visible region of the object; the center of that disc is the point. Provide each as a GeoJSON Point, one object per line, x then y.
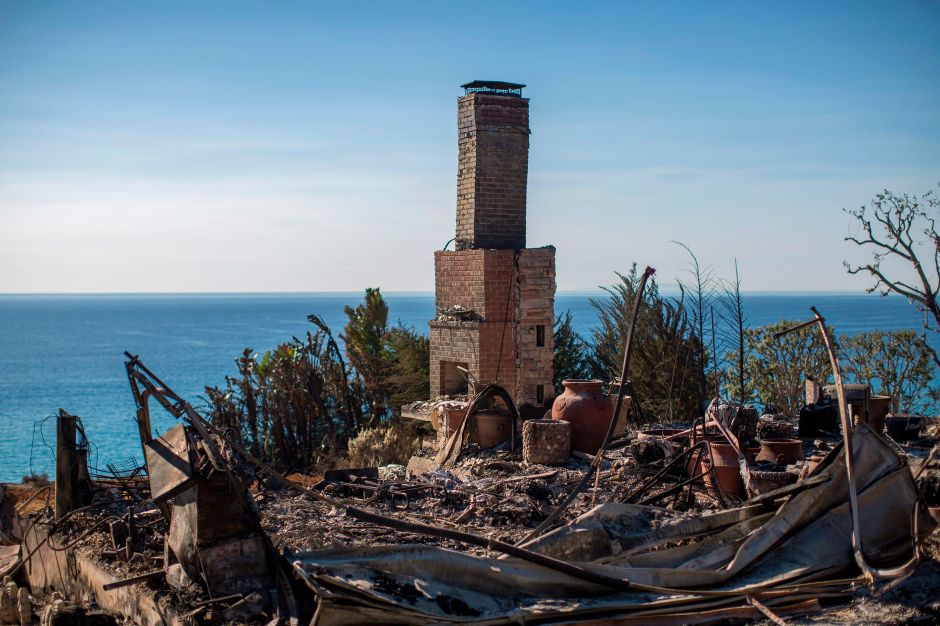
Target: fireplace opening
{"type": "Point", "coordinates": [453, 382]}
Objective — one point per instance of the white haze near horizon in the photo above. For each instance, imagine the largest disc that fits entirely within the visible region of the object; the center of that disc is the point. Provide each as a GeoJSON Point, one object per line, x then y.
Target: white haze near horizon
{"type": "Point", "coordinates": [228, 147]}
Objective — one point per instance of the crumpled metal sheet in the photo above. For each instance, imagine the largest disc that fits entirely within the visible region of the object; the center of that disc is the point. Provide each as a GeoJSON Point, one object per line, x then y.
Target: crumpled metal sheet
{"type": "Point", "coordinates": [734, 552]}
{"type": "Point", "coordinates": [169, 463]}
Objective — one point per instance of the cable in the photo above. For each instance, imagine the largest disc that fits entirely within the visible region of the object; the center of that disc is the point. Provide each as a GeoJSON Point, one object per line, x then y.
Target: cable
{"type": "Point", "coordinates": [32, 444]}
{"type": "Point", "coordinates": [502, 337]}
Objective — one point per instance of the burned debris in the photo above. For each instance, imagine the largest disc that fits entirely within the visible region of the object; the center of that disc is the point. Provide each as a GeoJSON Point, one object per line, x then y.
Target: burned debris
{"type": "Point", "coordinates": [190, 528]}
{"type": "Point", "coordinates": [497, 519]}
{"type": "Point", "coordinates": [731, 516]}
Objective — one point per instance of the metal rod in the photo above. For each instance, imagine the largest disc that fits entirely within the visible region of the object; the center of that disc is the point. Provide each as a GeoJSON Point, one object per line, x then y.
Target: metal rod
{"type": "Point", "coordinates": [870, 573]}
{"type": "Point", "coordinates": [66, 483]}
{"type": "Point", "coordinates": [627, 352]}
{"type": "Point", "coordinates": [793, 329]}
{"type": "Point", "coordinates": [133, 580]}
{"type": "Point", "coordinates": [649, 482]}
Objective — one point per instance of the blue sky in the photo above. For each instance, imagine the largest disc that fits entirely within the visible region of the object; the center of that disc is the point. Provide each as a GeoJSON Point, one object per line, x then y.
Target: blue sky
{"type": "Point", "coordinates": [250, 146]}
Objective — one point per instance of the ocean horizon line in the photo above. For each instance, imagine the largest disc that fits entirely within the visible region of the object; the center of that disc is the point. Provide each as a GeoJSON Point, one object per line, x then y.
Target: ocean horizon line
{"type": "Point", "coordinates": [574, 292]}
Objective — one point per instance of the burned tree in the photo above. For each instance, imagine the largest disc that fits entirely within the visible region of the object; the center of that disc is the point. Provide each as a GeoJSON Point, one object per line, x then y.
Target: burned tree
{"type": "Point", "coordinates": [300, 404]}
{"type": "Point", "coordinates": [777, 367]}
{"type": "Point", "coordinates": [390, 362]}
{"type": "Point", "coordinates": [902, 229]}
{"type": "Point", "coordinates": [697, 300]}
{"type": "Point", "coordinates": [896, 364]}
{"type": "Point", "coordinates": [364, 336]}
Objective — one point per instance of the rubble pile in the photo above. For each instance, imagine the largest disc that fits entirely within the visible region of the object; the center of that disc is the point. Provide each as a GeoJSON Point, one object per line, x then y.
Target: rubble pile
{"type": "Point", "coordinates": [491, 492]}
{"type": "Point", "coordinates": [733, 516]}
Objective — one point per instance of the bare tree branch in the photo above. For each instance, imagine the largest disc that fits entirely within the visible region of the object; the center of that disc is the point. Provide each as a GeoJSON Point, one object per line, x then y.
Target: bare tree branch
{"type": "Point", "coordinates": [897, 287]}
{"type": "Point", "coordinates": [902, 219]}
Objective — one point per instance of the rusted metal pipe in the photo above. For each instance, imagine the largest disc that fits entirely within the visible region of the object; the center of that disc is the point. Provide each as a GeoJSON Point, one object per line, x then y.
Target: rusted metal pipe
{"type": "Point", "coordinates": [598, 458]}
{"type": "Point", "coordinates": [870, 573]}
{"type": "Point", "coordinates": [649, 482]}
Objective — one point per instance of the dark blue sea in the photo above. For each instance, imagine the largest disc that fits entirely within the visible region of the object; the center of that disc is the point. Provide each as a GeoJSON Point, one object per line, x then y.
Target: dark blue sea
{"type": "Point", "coordinates": [67, 351]}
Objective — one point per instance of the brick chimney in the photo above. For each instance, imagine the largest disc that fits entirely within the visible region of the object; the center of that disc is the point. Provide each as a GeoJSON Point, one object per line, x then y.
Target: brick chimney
{"type": "Point", "coordinates": [509, 288]}
{"type": "Point", "coordinates": [493, 138]}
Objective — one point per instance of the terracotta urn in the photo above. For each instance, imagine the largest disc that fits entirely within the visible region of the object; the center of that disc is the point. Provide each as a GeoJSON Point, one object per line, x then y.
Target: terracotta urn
{"type": "Point", "coordinates": [493, 428]}
{"type": "Point", "coordinates": [878, 407]}
{"type": "Point", "coordinates": [781, 450]}
{"type": "Point", "coordinates": [588, 410]}
{"type": "Point", "coordinates": [725, 475]}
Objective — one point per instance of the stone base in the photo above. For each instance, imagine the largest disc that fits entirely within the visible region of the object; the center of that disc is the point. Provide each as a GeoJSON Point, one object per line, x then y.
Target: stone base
{"type": "Point", "coordinates": [546, 442]}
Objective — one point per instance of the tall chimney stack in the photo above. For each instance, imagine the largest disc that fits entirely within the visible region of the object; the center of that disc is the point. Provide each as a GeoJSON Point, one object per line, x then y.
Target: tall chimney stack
{"type": "Point", "coordinates": [494, 297]}
{"type": "Point", "coordinates": [493, 165]}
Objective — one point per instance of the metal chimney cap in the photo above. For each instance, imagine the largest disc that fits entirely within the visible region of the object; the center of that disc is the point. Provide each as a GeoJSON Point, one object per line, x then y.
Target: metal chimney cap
{"type": "Point", "coordinates": [496, 87]}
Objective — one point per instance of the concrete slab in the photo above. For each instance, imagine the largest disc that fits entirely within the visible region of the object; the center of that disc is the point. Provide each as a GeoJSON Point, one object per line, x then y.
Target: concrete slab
{"type": "Point", "coordinates": [79, 578]}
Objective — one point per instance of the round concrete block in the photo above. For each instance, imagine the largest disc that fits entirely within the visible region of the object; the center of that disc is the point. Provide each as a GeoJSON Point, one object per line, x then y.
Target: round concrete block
{"type": "Point", "coordinates": [546, 442]}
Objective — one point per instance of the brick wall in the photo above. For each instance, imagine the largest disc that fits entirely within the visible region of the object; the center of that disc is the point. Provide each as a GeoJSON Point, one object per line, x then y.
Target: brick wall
{"type": "Point", "coordinates": [493, 165]}
{"type": "Point", "coordinates": [485, 280]}
{"type": "Point", "coordinates": [536, 307]}
{"type": "Point", "coordinates": [475, 279]}
{"type": "Point", "coordinates": [455, 342]}
{"type": "Point", "coordinates": [496, 367]}
{"type": "Point", "coordinates": [458, 279]}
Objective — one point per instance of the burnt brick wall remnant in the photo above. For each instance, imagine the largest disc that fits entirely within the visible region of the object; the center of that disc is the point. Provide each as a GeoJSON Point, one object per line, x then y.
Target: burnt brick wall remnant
{"type": "Point", "coordinates": [510, 288]}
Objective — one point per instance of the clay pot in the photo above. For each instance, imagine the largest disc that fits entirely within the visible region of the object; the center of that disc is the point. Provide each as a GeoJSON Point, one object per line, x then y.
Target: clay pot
{"type": "Point", "coordinates": [726, 475]}
{"type": "Point", "coordinates": [452, 419]}
{"type": "Point", "coordinates": [493, 428]}
{"type": "Point", "coordinates": [903, 427]}
{"type": "Point", "coordinates": [781, 450]}
{"type": "Point", "coordinates": [694, 465]}
{"type": "Point", "coordinates": [589, 411]}
{"type": "Point", "coordinates": [875, 415]}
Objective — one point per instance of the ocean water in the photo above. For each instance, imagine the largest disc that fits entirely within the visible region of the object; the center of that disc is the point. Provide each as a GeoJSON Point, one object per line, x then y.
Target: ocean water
{"type": "Point", "coordinates": [67, 351]}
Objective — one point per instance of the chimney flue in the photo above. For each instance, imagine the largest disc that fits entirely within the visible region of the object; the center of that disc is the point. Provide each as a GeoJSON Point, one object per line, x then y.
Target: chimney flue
{"type": "Point", "coordinates": [493, 165]}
